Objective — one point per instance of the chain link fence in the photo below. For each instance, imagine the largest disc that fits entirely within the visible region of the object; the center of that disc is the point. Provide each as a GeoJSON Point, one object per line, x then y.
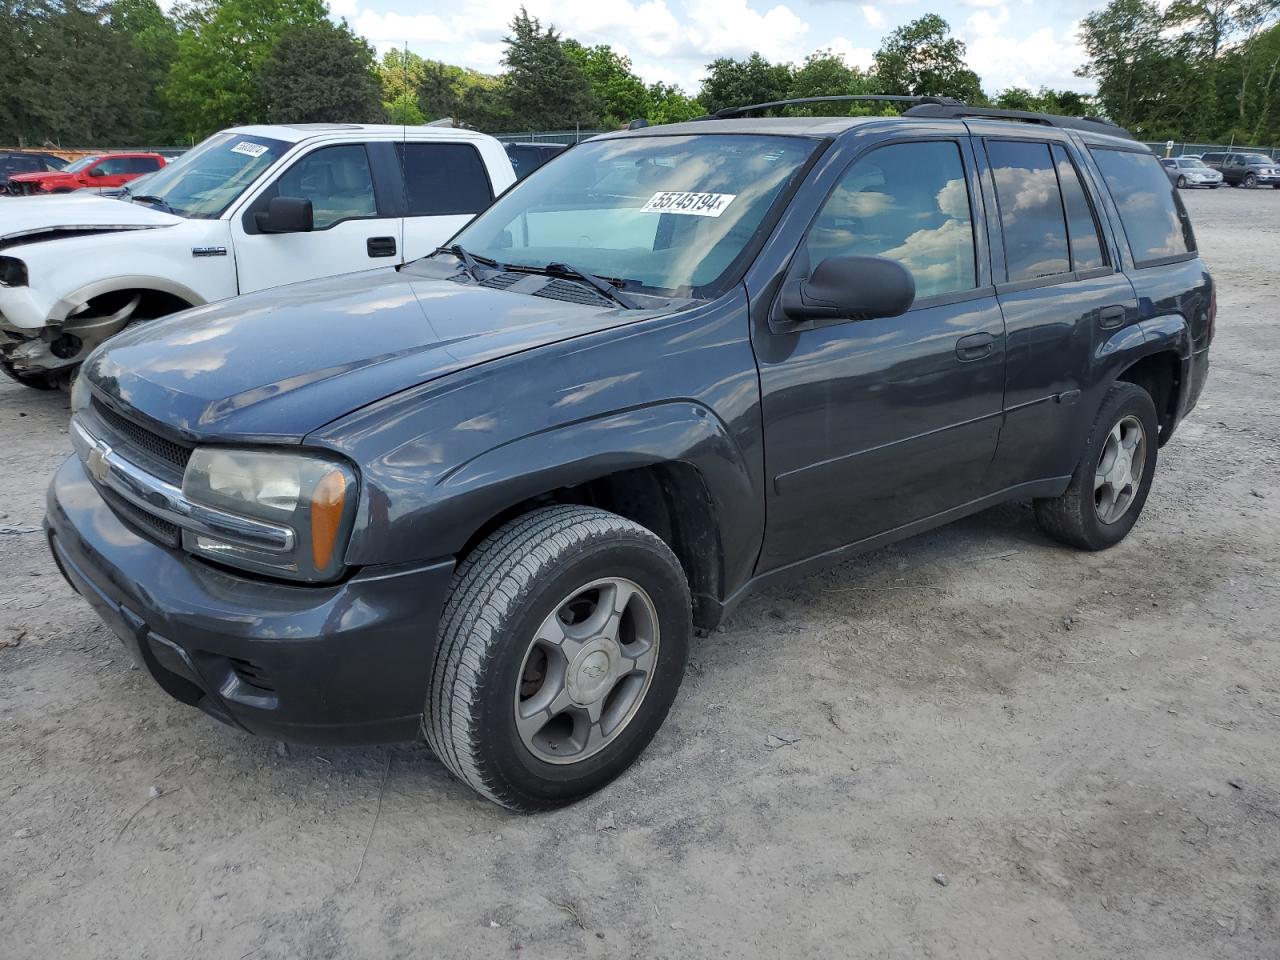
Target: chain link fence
{"type": "Point", "coordinates": [1161, 148]}
{"type": "Point", "coordinates": [549, 136]}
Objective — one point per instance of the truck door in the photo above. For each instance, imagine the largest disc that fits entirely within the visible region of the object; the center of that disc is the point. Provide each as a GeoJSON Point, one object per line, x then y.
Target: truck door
{"type": "Point", "coordinates": [1062, 294]}
{"type": "Point", "coordinates": [445, 185]}
{"type": "Point", "coordinates": [355, 227]}
{"type": "Point", "coordinates": [874, 424]}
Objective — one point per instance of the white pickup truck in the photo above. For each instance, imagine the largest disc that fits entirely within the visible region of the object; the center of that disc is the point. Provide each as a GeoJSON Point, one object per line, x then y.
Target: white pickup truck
{"type": "Point", "coordinates": [251, 207]}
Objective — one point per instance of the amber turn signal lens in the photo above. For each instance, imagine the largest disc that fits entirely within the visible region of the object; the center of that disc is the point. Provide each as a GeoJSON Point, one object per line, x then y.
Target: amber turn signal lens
{"type": "Point", "coordinates": [326, 516]}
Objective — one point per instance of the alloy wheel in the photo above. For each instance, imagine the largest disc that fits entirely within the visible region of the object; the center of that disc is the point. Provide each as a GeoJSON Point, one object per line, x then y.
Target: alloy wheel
{"type": "Point", "coordinates": [587, 671]}
{"type": "Point", "coordinates": [1118, 475]}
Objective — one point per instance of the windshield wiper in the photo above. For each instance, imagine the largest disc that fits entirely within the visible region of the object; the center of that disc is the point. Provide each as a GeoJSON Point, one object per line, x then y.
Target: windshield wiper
{"type": "Point", "coordinates": [470, 262]}
{"type": "Point", "coordinates": [148, 198]}
{"type": "Point", "coordinates": [609, 287]}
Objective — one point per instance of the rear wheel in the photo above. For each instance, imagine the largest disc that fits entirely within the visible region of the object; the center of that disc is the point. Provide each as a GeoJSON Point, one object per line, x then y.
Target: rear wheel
{"type": "Point", "coordinates": [1111, 481]}
{"type": "Point", "coordinates": [561, 649]}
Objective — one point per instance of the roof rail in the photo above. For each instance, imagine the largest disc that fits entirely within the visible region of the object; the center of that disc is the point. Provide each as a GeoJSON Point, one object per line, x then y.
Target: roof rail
{"type": "Point", "coordinates": [728, 112]}
{"type": "Point", "coordinates": [958, 111]}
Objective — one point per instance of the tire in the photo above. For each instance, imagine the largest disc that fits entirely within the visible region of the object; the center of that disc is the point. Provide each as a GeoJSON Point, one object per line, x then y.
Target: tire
{"type": "Point", "coordinates": [1077, 516]}
{"type": "Point", "coordinates": [36, 381]}
{"type": "Point", "coordinates": [1249, 181]}
{"type": "Point", "coordinates": [1275, 186]}
{"type": "Point", "coordinates": [510, 592]}
{"type": "Point", "coordinates": [1182, 183]}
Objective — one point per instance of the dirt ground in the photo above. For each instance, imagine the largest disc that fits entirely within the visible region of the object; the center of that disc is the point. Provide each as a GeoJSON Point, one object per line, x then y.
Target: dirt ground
{"type": "Point", "coordinates": [973, 744]}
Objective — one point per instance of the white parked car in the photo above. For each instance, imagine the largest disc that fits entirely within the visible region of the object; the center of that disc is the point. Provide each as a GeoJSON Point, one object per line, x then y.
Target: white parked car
{"type": "Point", "coordinates": [249, 208]}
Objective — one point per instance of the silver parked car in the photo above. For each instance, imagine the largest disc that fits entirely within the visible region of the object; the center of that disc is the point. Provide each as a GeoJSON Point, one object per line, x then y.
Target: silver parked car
{"type": "Point", "coordinates": [1191, 172]}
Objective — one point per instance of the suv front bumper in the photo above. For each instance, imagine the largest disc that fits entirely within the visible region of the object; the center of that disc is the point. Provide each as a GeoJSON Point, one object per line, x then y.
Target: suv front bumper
{"type": "Point", "coordinates": [347, 663]}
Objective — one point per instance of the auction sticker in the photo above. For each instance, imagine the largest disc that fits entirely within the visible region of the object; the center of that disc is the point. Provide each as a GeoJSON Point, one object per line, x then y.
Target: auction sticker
{"type": "Point", "coordinates": [249, 149]}
{"type": "Point", "coordinates": [691, 204]}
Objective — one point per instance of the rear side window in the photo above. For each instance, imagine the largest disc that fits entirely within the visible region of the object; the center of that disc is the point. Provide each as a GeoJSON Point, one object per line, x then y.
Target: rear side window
{"type": "Point", "coordinates": [143, 164]}
{"type": "Point", "coordinates": [1082, 226]}
{"type": "Point", "coordinates": [1031, 215]}
{"type": "Point", "coordinates": [1154, 220]}
{"type": "Point", "coordinates": [444, 178]}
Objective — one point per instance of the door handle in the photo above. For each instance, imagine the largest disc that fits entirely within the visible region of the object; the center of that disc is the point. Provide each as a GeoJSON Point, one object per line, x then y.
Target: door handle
{"type": "Point", "coordinates": [381, 246]}
{"type": "Point", "coordinates": [975, 346]}
{"type": "Point", "coordinates": [1109, 317]}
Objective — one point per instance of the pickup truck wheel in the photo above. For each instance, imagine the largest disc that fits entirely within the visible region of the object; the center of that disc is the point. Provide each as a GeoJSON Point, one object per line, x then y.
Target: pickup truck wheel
{"type": "Point", "coordinates": [36, 381]}
{"type": "Point", "coordinates": [561, 649]}
{"type": "Point", "coordinates": [1111, 482]}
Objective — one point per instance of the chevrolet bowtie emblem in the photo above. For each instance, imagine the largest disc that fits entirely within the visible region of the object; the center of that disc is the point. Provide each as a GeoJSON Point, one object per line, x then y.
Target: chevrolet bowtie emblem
{"type": "Point", "coordinates": [96, 462]}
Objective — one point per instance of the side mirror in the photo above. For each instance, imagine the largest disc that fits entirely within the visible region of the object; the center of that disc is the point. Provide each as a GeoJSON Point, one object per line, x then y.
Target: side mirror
{"type": "Point", "coordinates": [96, 172]}
{"type": "Point", "coordinates": [286, 215]}
{"type": "Point", "coordinates": [847, 288]}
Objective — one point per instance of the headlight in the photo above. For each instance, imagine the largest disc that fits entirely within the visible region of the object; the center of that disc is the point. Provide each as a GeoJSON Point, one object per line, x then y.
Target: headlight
{"type": "Point", "coordinates": [13, 272]}
{"type": "Point", "coordinates": [312, 495]}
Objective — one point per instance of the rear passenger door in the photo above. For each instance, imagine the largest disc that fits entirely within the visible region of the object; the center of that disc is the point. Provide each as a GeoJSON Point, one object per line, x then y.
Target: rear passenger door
{"type": "Point", "coordinates": [1062, 294]}
{"type": "Point", "coordinates": [355, 226]}
{"type": "Point", "coordinates": [445, 185]}
{"type": "Point", "coordinates": [874, 424]}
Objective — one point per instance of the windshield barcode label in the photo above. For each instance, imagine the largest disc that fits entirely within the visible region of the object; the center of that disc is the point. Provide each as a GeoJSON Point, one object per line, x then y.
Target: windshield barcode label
{"type": "Point", "coordinates": [249, 149]}
{"type": "Point", "coordinates": [693, 204]}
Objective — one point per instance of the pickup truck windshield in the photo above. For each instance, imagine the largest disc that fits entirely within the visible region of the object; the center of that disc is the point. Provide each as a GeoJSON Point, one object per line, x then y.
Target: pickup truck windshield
{"type": "Point", "coordinates": [206, 179]}
{"type": "Point", "coordinates": [670, 215]}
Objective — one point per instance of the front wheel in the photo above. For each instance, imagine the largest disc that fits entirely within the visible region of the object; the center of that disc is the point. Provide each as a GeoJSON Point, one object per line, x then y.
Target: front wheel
{"type": "Point", "coordinates": [561, 649]}
{"type": "Point", "coordinates": [1250, 181]}
{"type": "Point", "coordinates": [1111, 481]}
{"type": "Point", "coordinates": [36, 381]}
{"type": "Point", "coordinates": [1182, 183]}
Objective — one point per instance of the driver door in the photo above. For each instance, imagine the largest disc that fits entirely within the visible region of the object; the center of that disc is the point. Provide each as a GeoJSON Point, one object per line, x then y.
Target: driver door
{"type": "Point", "coordinates": [353, 228]}
{"type": "Point", "coordinates": [872, 425]}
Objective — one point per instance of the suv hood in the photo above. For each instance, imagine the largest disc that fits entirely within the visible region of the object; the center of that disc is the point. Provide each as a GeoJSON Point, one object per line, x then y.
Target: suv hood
{"type": "Point", "coordinates": [276, 365]}
{"type": "Point", "coordinates": [33, 219]}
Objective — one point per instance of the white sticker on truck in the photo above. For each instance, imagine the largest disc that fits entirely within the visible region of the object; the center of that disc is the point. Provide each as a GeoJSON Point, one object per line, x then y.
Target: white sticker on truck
{"type": "Point", "coordinates": [249, 149]}
{"type": "Point", "coordinates": [691, 204]}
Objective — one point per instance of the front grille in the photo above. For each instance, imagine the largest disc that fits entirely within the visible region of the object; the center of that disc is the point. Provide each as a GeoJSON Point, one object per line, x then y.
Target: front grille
{"type": "Point", "coordinates": [132, 437]}
{"type": "Point", "coordinates": [145, 523]}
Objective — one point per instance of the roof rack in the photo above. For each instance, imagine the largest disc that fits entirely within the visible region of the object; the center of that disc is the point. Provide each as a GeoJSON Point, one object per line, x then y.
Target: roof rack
{"type": "Point", "coordinates": [954, 110]}
{"type": "Point", "coordinates": [728, 112]}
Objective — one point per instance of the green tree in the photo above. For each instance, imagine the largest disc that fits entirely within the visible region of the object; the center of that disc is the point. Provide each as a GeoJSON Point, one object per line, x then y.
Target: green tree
{"type": "Point", "coordinates": [400, 75]}
{"type": "Point", "coordinates": [825, 74]}
{"type": "Point", "coordinates": [670, 104]}
{"type": "Point", "coordinates": [740, 83]}
{"type": "Point", "coordinates": [620, 96]}
{"type": "Point", "coordinates": [321, 72]}
{"type": "Point", "coordinates": [1064, 102]}
{"type": "Point", "coordinates": [544, 86]}
{"type": "Point", "coordinates": [922, 58]}
{"type": "Point", "coordinates": [222, 45]}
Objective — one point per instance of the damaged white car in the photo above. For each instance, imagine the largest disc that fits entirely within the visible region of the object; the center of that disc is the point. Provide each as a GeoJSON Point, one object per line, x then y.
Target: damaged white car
{"type": "Point", "coordinates": [249, 208]}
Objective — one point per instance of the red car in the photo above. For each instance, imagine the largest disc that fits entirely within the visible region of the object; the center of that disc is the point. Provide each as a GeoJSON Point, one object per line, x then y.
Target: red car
{"type": "Point", "coordinates": [107, 170]}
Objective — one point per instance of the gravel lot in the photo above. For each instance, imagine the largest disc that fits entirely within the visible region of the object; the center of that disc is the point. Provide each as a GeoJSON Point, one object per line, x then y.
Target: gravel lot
{"type": "Point", "coordinates": [973, 744]}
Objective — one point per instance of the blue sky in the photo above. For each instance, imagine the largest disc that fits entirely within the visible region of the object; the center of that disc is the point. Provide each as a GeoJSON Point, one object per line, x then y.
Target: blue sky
{"type": "Point", "coordinates": [1011, 42]}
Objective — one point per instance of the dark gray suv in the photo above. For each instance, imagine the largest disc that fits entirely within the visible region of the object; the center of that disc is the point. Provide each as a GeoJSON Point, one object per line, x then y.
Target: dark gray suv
{"type": "Point", "coordinates": [1245, 169]}
{"type": "Point", "coordinates": [489, 497]}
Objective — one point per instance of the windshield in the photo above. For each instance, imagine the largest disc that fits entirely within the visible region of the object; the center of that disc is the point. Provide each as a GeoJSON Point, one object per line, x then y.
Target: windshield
{"type": "Point", "coordinates": [80, 164]}
{"type": "Point", "coordinates": [205, 180]}
{"type": "Point", "coordinates": [1191, 162]}
{"type": "Point", "coordinates": [669, 215]}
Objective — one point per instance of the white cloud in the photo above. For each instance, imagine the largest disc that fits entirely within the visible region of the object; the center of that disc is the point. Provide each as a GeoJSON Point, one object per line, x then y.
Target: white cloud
{"type": "Point", "coordinates": [394, 29]}
{"type": "Point", "coordinates": [860, 57]}
{"type": "Point", "coordinates": [986, 23]}
{"type": "Point", "coordinates": [1042, 58]}
{"type": "Point", "coordinates": [873, 16]}
{"type": "Point", "coordinates": [343, 8]}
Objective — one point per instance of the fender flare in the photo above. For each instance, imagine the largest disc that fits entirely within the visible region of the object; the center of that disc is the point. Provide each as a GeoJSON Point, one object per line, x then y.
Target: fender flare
{"type": "Point", "coordinates": [66, 304]}
{"type": "Point", "coordinates": [470, 495]}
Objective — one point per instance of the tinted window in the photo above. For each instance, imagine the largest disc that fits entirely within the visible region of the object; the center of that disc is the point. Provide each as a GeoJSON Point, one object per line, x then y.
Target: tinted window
{"type": "Point", "coordinates": [1082, 228]}
{"type": "Point", "coordinates": [114, 166]}
{"type": "Point", "coordinates": [444, 178]}
{"type": "Point", "coordinates": [1153, 217]}
{"type": "Point", "coordinates": [1035, 230]}
{"type": "Point", "coordinates": [337, 182]}
{"type": "Point", "coordinates": [143, 164]}
{"type": "Point", "coordinates": [907, 202]}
